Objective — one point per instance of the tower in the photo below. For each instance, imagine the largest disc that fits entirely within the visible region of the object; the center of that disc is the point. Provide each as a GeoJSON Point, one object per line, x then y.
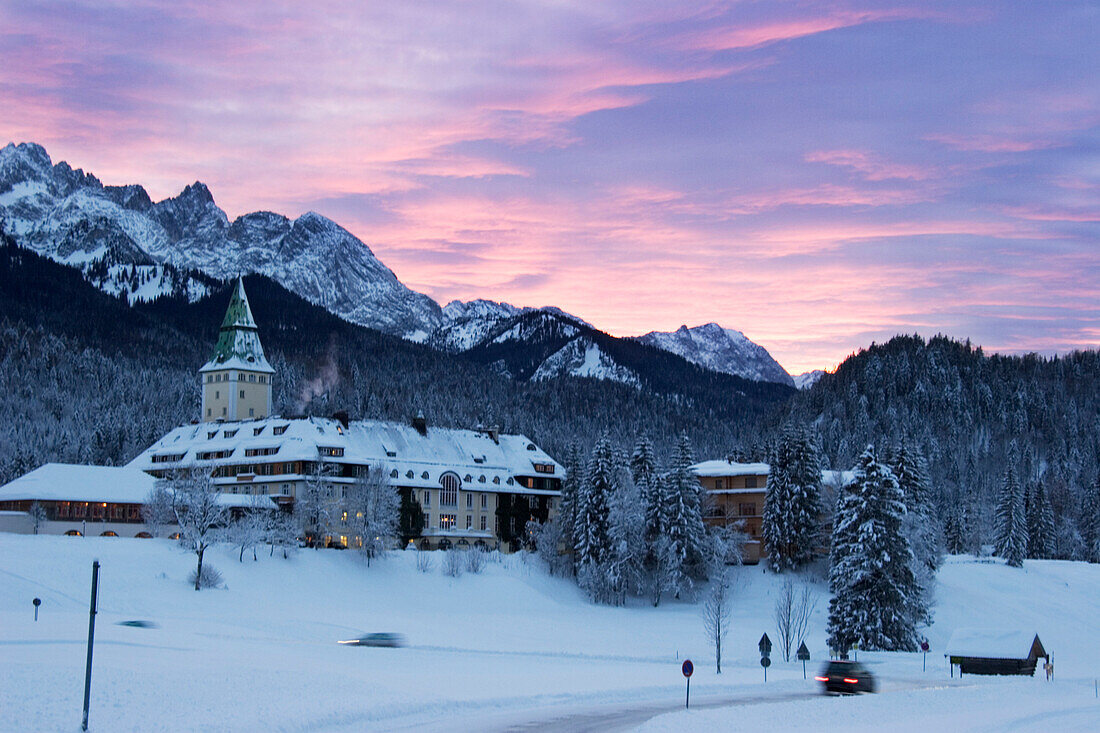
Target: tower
{"type": "Point", "coordinates": [236, 382]}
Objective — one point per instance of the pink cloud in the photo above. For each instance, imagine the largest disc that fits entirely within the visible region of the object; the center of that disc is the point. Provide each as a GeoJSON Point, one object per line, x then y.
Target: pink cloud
{"type": "Point", "coordinates": [991, 143]}
{"type": "Point", "coordinates": [873, 167]}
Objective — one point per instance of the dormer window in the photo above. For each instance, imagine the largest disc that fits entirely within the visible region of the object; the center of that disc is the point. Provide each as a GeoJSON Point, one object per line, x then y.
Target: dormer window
{"type": "Point", "coordinates": [229, 433]}
{"type": "Point", "coordinates": [212, 434]}
{"type": "Point", "coordinates": [479, 459]}
{"type": "Point", "coordinates": [409, 473]}
{"type": "Point", "coordinates": [279, 429]}
{"type": "Point", "coordinates": [391, 453]}
{"type": "Point", "coordinates": [257, 431]}
{"type": "Point", "coordinates": [424, 475]}
{"type": "Point", "coordinates": [544, 467]}
{"type": "Point", "coordinates": [330, 451]}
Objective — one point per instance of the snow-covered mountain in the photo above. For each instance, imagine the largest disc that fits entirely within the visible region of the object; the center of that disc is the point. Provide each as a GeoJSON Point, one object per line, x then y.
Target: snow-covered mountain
{"type": "Point", "coordinates": [805, 380]}
{"type": "Point", "coordinates": [128, 245]}
{"type": "Point", "coordinates": [71, 217]}
{"type": "Point", "coordinates": [722, 350]}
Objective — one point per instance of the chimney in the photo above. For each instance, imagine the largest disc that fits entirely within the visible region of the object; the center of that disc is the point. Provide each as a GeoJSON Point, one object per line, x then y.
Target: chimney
{"type": "Point", "coordinates": [342, 417]}
{"type": "Point", "coordinates": [420, 423]}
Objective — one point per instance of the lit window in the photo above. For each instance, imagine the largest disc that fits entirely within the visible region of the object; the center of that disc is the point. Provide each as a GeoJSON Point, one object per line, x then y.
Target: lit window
{"type": "Point", "coordinates": [447, 521]}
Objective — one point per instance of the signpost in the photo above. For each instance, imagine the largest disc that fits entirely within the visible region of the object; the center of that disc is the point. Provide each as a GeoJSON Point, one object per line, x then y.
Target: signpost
{"type": "Point", "coordinates": [91, 637]}
{"type": "Point", "coordinates": [37, 602]}
{"type": "Point", "coordinates": [687, 668]}
{"type": "Point", "coordinates": [924, 651]}
{"type": "Point", "coordinates": [803, 654]}
{"type": "Point", "coordinates": [855, 651]}
{"type": "Point", "coordinates": [765, 654]}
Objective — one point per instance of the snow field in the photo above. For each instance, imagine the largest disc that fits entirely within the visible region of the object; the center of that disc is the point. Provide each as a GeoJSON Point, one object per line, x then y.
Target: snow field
{"type": "Point", "coordinates": [484, 651]}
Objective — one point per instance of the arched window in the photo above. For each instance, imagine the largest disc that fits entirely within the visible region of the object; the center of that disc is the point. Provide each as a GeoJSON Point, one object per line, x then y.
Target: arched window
{"type": "Point", "coordinates": [108, 533]}
{"type": "Point", "coordinates": [444, 544]}
{"type": "Point", "coordinates": [73, 533]}
{"type": "Point", "coordinates": [425, 545]}
{"type": "Point", "coordinates": [448, 495]}
{"type": "Point", "coordinates": [144, 535]}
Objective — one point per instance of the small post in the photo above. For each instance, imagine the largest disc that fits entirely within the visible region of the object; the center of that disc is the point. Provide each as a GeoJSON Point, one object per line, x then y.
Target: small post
{"type": "Point", "coordinates": [803, 669]}
{"type": "Point", "coordinates": [687, 695]}
{"type": "Point", "coordinates": [36, 602]}
{"type": "Point", "coordinates": [91, 638]}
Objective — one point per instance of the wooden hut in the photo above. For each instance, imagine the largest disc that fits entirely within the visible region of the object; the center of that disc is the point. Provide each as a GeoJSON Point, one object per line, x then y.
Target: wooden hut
{"type": "Point", "coordinates": [989, 651]}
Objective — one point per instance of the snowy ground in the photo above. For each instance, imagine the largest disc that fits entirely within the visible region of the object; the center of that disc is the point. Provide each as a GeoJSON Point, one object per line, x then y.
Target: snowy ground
{"type": "Point", "coordinates": [510, 649]}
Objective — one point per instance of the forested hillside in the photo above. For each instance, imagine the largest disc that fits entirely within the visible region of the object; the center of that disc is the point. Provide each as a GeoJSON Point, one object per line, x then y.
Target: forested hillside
{"type": "Point", "coordinates": [972, 415]}
{"type": "Point", "coordinates": [86, 378]}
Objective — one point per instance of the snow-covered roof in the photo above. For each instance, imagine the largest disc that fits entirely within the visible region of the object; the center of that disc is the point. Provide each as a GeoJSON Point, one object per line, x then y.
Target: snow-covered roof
{"type": "Point", "coordinates": [991, 643]}
{"type": "Point", "coordinates": [729, 468]}
{"type": "Point", "coordinates": [419, 459]}
{"type": "Point", "coordinates": [68, 482]}
{"type": "Point", "coordinates": [238, 344]}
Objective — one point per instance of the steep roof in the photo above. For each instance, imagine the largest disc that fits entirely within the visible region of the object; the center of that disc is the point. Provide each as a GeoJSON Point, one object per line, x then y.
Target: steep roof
{"type": "Point", "coordinates": [238, 344]}
{"type": "Point", "coordinates": [420, 458]}
{"type": "Point", "coordinates": [68, 482]}
{"type": "Point", "coordinates": [994, 644]}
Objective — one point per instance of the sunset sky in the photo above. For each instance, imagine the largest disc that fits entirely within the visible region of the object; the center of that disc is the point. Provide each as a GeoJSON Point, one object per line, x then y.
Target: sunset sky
{"type": "Point", "coordinates": [817, 175]}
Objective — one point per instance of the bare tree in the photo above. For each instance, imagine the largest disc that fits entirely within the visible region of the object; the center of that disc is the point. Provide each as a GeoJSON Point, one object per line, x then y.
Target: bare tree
{"type": "Point", "coordinates": [373, 508]}
{"type": "Point", "coordinates": [792, 616]}
{"type": "Point", "coordinates": [38, 515]}
{"type": "Point", "coordinates": [200, 515]}
{"type": "Point", "coordinates": [250, 529]}
{"type": "Point", "coordinates": [716, 614]}
{"type": "Point", "coordinates": [158, 510]}
{"type": "Point", "coordinates": [282, 531]}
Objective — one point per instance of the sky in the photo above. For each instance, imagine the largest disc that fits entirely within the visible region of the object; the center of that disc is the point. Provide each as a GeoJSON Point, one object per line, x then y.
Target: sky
{"type": "Point", "coordinates": [817, 175]}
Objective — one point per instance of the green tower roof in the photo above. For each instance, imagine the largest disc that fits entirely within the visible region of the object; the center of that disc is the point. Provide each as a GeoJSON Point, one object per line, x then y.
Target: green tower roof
{"type": "Point", "coordinates": [238, 344]}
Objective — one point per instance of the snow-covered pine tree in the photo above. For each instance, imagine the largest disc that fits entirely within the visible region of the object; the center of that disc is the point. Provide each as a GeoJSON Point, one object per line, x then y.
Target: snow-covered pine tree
{"type": "Point", "coordinates": [684, 557]}
{"type": "Point", "coordinates": [1011, 525]}
{"type": "Point", "coordinates": [570, 487]}
{"type": "Point", "coordinates": [593, 507]}
{"type": "Point", "coordinates": [644, 473]}
{"type": "Point", "coordinates": [841, 626]}
{"type": "Point", "coordinates": [921, 525]}
{"type": "Point", "coordinates": [875, 596]}
{"type": "Point", "coordinates": [1089, 523]}
{"type": "Point", "coordinates": [1040, 523]}
{"type": "Point", "coordinates": [792, 503]}
{"type": "Point", "coordinates": [625, 559]}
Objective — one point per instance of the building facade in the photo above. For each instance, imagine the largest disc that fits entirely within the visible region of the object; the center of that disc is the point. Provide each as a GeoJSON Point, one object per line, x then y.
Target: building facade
{"type": "Point", "coordinates": [476, 487]}
{"type": "Point", "coordinates": [735, 493]}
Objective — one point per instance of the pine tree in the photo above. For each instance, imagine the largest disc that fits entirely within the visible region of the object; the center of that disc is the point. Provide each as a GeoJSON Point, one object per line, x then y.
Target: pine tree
{"type": "Point", "coordinates": [921, 526]}
{"type": "Point", "coordinates": [1040, 523]}
{"type": "Point", "coordinates": [792, 504]}
{"type": "Point", "coordinates": [1089, 524]}
{"type": "Point", "coordinates": [1011, 525]}
{"type": "Point", "coordinates": [875, 596]}
{"type": "Point", "coordinates": [593, 505]}
{"type": "Point", "coordinates": [683, 559]}
{"type": "Point", "coordinates": [570, 488]}
{"type": "Point", "coordinates": [644, 473]}
{"type": "Point", "coordinates": [627, 547]}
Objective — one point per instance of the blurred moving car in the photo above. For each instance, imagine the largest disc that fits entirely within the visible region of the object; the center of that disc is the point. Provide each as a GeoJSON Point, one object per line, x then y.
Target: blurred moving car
{"type": "Point", "coordinates": [848, 678]}
{"type": "Point", "coordinates": [384, 638]}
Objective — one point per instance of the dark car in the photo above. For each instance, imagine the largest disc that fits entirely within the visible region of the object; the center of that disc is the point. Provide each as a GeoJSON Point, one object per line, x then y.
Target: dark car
{"type": "Point", "coordinates": [846, 678]}
{"type": "Point", "coordinates": [379, 639]}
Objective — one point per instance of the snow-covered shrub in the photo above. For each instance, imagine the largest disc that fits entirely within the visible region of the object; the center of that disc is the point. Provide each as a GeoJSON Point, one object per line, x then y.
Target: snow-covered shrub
{"type": "Point", "coordinates": [452, 563]}
{"type": "Point", "coordinates": [209, 578]}
{"type": "Point", "coordinates": [475, 561]}
{"type": "Point", "coordinates": [423, 561]}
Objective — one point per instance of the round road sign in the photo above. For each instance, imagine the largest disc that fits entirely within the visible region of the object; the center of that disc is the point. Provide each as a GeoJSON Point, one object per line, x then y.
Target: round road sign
{"type": "Point", "coordinates": [765, 662]}
{"type": "Point", "coordinates": [37, 601]}
{"type": "Point", "coordinates": [687, 668]}
{"type": "Point", "coordinates": [924, 646]}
